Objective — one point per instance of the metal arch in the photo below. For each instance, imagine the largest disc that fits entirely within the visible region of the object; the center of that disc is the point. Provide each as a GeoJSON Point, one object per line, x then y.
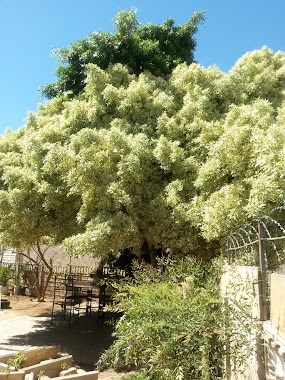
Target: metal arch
{"type": "Point", "coordinates": [247, 234]}
{"type": "Point", "coordinates": [246, 245]}
{"type": "Point", "coordinates": [271, 240]}
{"type": "Point", "coordinates": [282, 229]}
{"type": "Point", "coordinates": [250, 244]}
{"type": "Point", "coordinates": [279, 208]}
{"type": "Point", "coordinates": [233, 241]}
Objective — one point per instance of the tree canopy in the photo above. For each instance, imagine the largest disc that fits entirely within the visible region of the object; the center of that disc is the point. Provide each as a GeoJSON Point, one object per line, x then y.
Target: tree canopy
{"type": "Point", "coordinates": [176, 162]}
{"type": "Point", "coordinates": [154, 48]}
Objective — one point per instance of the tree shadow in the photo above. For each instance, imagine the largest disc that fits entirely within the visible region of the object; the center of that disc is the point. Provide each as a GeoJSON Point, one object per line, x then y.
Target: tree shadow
{"type": "Point", "coordinates": [85, 339]}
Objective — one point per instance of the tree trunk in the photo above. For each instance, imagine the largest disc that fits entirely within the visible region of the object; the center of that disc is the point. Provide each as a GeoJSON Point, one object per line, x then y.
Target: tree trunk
{"type": "Point", "coordinates": [42, 272]}
{"type": "Point", "coordinates": [40, 283]}
{"type": "Point", "coordinates": [152, 253]}
{"type": "Point", "coordinates": [45, 284]}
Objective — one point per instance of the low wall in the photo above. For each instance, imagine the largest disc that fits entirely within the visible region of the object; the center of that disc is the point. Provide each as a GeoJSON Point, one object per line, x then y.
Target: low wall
{"type": "Point", "coordinates": [274, 330]}
{"type": "Point", "coordinates": [275, 353]}
{"type": "Point", "coordinates": [269, 363]}
{"type": "Point", "coordinates": [277, 307]}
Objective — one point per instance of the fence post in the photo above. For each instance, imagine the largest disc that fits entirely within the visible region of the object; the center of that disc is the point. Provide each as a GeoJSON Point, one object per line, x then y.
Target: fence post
{"type": "Point", "coordinates": [262, 271]}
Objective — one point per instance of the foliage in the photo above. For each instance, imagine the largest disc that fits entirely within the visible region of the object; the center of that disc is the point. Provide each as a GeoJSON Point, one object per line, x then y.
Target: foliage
{"type": "Point", "coordinates": [40, 374]}
{"type": "Point", "coordinates": [175, 325]}
{"type": "Point", "coordinates": [15, 362]}
{"type": "Point", "coordinates": [35, 209]}
{"type": "Point", "coordinates": [241, 310]}
{"type": "Point", "coordinates": [64, 366]}
{"type": "Point", "coordinates": [6, 273]}
{"type": "Point", "coordinates": [154, 48]}
{"type": "Point", "coordinates": [137, 376]}
{"type": "Point", "coordinates": [176, 162]}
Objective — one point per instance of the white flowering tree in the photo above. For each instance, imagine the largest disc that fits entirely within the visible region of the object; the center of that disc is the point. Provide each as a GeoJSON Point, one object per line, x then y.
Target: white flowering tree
{"type": "Point", "coordinates": [142, 160]}
{"type": "Point", "coordinates": [243, 174]}
{"type": "Point", "coordinates": [35, 209]}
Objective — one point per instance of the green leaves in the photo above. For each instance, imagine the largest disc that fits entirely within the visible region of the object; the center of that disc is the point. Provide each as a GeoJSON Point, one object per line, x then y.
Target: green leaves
{"type": "Point", "coordinates": [239, 179]}
{"type": "Point", "coordinates": [126, 23]}
{"type": "Point", "coordinates": [175, 332]}
{"type": "Point", "coordinates": [154, 48]}
{"type": "Point", "coordinates": [259, 74]}
{"type": "Point", "coordinates": [174, 161]}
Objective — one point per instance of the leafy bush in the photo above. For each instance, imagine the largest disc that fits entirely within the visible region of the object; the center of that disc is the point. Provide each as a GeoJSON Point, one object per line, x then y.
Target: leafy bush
{"type": "Point", "coordinates": [16, 362]}
{"type": "Point", "coordinates": [5, 274]}
{"type": "Point", "coordinates": [137, 376]}
{"type": "Point", "coordinates": [177, 324]}
{"type": "Point", "coordinates": [172, 322]}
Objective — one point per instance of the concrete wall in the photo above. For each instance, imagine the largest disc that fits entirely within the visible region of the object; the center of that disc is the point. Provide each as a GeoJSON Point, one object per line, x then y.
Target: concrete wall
{"type": "Point", "coordinates": [60, 257]}
{"type": "Point", "coordinates": [274, 330]}
{"type": "Point", "coordinates": [277, 297]}
{"type": "Point", "coordinates": [275, 353]}
{"type": "Point", "coordinates": [269, 363]}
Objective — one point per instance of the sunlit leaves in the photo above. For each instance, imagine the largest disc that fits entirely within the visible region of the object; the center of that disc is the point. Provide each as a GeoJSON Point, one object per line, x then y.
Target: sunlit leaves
{"type": "Point", "coordinates": [142, 158]}
{"type": "Point", "coordinates": [260, 74]}
{"type": "Point", "coordinates": [153, 48]}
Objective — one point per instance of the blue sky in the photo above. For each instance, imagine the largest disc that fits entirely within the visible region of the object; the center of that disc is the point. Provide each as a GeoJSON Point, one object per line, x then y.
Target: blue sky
{"type": "Point", "coordinates": [30, 29]}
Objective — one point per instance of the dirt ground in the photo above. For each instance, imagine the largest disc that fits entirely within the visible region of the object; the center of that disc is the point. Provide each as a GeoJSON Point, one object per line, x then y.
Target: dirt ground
{"type": "Point", "coordinates": [21, 306]}
{"type": "Point", "coordinates": [24, 306]}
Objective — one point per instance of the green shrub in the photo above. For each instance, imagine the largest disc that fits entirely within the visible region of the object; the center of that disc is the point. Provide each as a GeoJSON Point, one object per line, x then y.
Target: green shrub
{"type": "Point", "coordinates": [15, 362]}
{"type": "Point", "coordinates": [172, 323]}
{"type": "Point", "coordinates": [137, 376]}
{"type": "Point", "coordinates": [5, 274]}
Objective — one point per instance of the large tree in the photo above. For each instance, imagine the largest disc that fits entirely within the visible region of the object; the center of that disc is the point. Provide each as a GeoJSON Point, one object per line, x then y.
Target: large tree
{"type": "Point", "coordinates": [154, 48]}
{"type": "Point", "coordinates": [171, 162]}
{"type": "Point", "coordinates": [243, 176]}
{"type": "Point", "coordinates": [147, 161]}
{"type": "Point", "coordinates": [36, 210]}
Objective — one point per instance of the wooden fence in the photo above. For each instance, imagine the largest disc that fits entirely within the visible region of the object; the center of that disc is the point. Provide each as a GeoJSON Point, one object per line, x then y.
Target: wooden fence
{"type": "Point", "coordinates": [81, 271]}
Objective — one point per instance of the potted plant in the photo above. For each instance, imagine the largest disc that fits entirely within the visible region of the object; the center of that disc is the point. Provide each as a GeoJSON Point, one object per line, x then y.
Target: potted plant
{"type": "Point", "coordinates": [5, 274]}
{"type": "Point", "coordinates": [20, 286]}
